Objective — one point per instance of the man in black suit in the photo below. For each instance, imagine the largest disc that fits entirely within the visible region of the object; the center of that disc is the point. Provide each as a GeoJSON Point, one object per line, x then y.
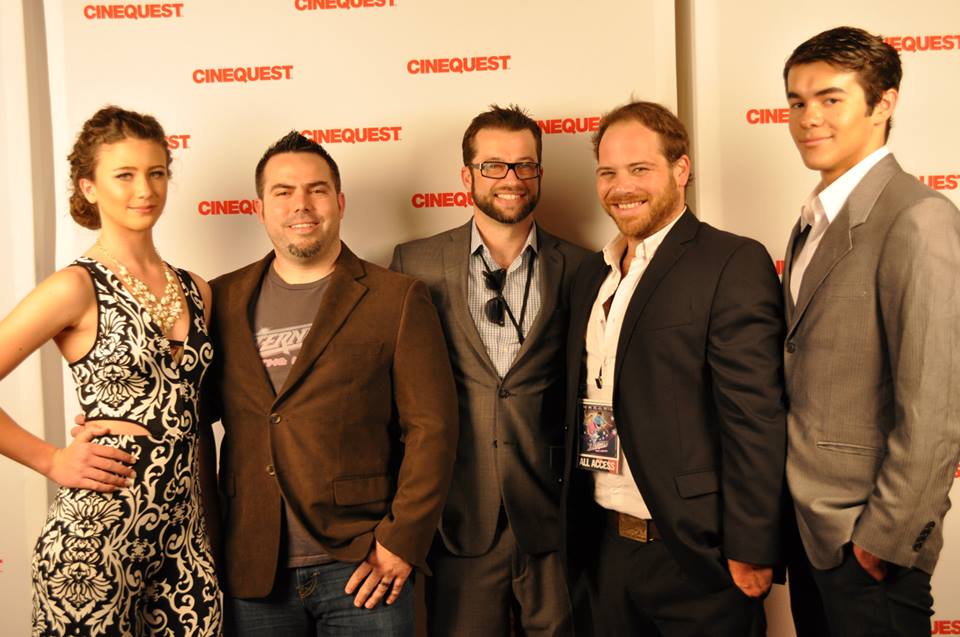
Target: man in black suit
{"type": "Point", "coordinates": [676, 427]}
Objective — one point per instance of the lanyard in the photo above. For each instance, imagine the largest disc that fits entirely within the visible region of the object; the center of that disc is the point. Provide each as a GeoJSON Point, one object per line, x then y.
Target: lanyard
{"type": "Point", "coordinates": [526, 294]}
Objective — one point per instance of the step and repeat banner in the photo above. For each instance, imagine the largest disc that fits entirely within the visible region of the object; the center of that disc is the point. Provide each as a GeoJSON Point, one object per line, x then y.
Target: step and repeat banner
{"type": "Point", "coordinates": [387, 86]}
{"type": "Point", "coordinates": [750, 178]}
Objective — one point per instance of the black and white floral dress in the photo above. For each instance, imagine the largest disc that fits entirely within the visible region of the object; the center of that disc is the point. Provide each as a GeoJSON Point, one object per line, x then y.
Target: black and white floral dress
{"type": "Point", "coordinates": [135, 561]}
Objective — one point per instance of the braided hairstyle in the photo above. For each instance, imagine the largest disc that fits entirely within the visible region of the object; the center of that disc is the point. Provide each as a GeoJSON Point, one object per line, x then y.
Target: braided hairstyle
{"type": "Point", "coordinates": [109, 125]}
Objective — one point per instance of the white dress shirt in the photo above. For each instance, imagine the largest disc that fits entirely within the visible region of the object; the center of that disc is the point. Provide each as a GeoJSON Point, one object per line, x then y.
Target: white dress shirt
{"type": "Point", "coordinates": [617, 492]}
{"type": "Point", "coordinates": [820, 209]}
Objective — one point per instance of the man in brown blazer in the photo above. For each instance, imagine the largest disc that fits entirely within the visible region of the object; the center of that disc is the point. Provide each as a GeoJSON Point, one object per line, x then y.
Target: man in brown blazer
{"type": "Point", "coordinates": [872, 296]}
{"type": "Point", "coordinates": [339, 416]}
{"type": "Point", "coordinates": [500, 284]}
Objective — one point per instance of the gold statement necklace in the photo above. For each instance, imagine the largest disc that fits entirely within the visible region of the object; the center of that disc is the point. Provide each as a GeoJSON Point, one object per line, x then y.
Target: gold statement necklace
{"type": "Point", "coordinates": [164, 312]}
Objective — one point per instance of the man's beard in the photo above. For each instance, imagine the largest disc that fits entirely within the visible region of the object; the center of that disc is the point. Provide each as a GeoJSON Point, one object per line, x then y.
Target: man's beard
{"type": "Point", "coordinates": [305, 251]}
{"type": "Point", "coordinates": [487, 205]}
{"type": "Point", "coordinates": [660, 207]}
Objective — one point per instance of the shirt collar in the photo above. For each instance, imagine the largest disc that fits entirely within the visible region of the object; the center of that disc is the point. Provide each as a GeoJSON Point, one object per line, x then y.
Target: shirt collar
{"type": "Point", "coordinates": [476, 240]}
{"type": "Point", "coordinates": [613, 251]}
{"type": "Point", "coordinates": [830, 200]}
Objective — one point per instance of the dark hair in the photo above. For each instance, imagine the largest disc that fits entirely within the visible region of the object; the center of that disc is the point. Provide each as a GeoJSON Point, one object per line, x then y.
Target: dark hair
{"type": "Point", "coordinates": [512, 118]}
{"type": "Point", "coordinates": [109, 125]}
{"type": "Point", "coordinates": [294, 142]}
{"type": "Point", "coordinates": [876, 63]}
{"type": "Point", "coordinates": [674, 142]}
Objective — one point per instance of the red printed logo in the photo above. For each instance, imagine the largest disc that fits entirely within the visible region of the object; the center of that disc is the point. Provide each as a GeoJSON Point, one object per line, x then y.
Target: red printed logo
{"type": "Point", "coordinates": [243, 74]}
{"type": "Point", "coordinates": [914, 43]}
{"type": "Point", "coordinates": [313, 5]}
{"type": "Point", "coordinates": [441, 200]}
{"type": "Point", "coordinates": [178, 141]}
{"type": "Point", "coordinates": [941, 182]}
{"type": "Point", "coordinates": [353, 135]}
{"type": "Point", "coordinates": [768, 115]}
{"type": "Point", "coordinates": [132, 11]}
{"type": "Point", "coordinates": [227, 207]}
{"type": "Point", "coordinates": [946, 627]}
{"type": "Point", "coordinates": [459, 65]}
{"type": "Point", "coordinates": [569, 125]}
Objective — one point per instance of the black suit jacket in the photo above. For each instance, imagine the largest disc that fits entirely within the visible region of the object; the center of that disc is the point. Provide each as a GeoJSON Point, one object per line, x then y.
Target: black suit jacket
{"type": "Point", "coordinates": [698, 400]}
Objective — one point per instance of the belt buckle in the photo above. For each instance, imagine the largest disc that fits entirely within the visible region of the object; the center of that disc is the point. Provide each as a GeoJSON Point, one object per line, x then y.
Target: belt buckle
{"type": "Point", "coordinates": [632, 528]}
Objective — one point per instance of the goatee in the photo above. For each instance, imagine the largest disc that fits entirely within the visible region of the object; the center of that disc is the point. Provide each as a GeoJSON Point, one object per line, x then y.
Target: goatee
{"type": "Point", "coordinates": [305, 251]}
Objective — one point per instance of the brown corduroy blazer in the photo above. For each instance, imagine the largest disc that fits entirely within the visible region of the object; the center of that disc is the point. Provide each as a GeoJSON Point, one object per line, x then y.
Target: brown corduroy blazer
{"type": "Point", "coordinates": [360, 440]}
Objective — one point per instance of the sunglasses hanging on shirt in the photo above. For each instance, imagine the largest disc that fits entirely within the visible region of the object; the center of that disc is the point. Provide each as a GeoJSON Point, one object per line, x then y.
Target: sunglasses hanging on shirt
{"type": "Point", "coordinates": [495, 308]}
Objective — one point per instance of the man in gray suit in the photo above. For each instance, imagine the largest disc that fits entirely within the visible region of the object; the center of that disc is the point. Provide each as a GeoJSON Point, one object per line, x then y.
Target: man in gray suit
{"type": "Point", "coordinates": [500, 285]}
{"type": "Point", "coordinates": [873, 332]}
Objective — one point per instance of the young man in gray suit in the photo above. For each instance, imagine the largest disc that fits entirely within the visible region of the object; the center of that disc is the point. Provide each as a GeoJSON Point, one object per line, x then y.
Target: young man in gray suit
{"type": "Point", "coordinates": [500, 285]}
{"type": "Point", "coordinates": [873, 331]}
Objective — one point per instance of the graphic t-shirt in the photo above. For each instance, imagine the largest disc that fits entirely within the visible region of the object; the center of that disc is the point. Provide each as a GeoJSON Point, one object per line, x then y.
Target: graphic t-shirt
{"type": "Point", "coordinates": [282, 319]}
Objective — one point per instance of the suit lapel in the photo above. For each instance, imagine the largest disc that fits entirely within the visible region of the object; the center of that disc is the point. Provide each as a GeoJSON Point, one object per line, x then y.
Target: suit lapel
{"type": "Point", "coordinates": [594, 272]}
{"type": "Point", "coordinates": [792, 250]}
{"type": "Point", "coordinates": [672, 248]}
{"type": "Point", "coordinates": [242, 338]}
{"type": "Point", "coordinates": [341, 296]}
{"type": "Point", "coordinates": [456, 266]}
{"type": "Point", "coordinates": [551, 273]}
{"type": "Point", "coordinates": [837, 241]}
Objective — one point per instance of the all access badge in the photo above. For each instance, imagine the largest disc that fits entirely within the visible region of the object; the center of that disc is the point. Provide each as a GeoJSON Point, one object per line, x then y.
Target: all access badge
{"type": "Point", "coordinates": [599, 443]}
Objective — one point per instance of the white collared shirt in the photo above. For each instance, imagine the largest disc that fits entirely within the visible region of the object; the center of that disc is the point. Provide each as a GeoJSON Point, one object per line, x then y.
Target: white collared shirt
{"type": "Point", "coordinates": [820, 209]}
{"type": "Point", "coordinates": [617, 492]}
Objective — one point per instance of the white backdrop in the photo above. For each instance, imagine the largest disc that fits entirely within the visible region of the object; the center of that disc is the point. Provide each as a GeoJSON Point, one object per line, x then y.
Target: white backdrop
{"type": "Point", "coordinates": [406, 76]}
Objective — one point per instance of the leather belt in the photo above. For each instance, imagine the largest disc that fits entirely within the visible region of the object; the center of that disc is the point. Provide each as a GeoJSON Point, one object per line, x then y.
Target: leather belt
{"type": "Point", "coordinates": [632, 528]}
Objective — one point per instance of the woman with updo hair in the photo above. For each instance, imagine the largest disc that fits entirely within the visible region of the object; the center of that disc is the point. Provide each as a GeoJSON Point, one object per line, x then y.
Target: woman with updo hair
{"type": "Point", "coordinates": [124, 549]}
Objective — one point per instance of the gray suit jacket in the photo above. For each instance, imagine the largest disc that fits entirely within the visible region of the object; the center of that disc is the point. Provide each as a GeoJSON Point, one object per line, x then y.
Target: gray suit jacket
{"type": "Point", "coordinates": [871, 361]}
{"type": "Point", "coordinates": [511, 430]}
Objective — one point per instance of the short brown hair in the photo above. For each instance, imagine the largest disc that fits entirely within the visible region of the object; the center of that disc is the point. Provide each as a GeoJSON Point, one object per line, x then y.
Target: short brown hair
{"type": "Point", "coordinates": [109, 125]}
{"type": "Point", "coordinates": [512, 118]}
{"type": "Point", "coordinates": [674, 142]}
{"type": "Point", "coordinates": [876, 63]}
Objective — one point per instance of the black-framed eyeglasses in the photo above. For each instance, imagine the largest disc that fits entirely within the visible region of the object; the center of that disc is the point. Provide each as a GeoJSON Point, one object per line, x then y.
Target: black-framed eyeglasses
{"type": "Point", "coordinates": [494, 308]}
{"type": "Point", "coordinates": [499, 169]}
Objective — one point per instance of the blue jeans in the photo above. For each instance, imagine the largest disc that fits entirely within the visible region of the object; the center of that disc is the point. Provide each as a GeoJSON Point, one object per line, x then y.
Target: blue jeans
{"type": "Point", "coordinates": [310, 601]}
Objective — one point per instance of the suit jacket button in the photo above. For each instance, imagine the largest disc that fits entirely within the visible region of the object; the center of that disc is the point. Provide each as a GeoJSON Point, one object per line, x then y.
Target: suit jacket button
{"type": "Point", "coordinates": [560, 480]}
{"type": "Point", "coordinates": [270, 470]}
{"type": "Point", "coordinates": [504, 393]}
{"type": "Point", "coordinates": [275, 419]}
{"type": "Point", "coordinates": [791, 347]}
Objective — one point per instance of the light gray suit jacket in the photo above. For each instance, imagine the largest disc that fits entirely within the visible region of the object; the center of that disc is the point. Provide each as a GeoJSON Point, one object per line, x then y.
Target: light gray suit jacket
{"type": "Point", "coordinates": [872, 363]}
{"type": "Point", "coordinates": [511, 429]}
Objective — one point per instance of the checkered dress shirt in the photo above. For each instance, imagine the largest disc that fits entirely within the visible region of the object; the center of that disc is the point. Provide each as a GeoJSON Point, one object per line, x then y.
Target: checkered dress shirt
{"type": "Point", "coordinates": [501, 341]}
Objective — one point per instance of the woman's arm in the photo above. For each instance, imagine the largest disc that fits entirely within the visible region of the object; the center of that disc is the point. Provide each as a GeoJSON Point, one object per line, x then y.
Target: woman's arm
{"type": "Point", "coordinates": [62, 307]}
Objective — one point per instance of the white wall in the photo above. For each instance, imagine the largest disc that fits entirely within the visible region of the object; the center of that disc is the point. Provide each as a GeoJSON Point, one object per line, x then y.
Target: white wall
{"type": "Point", "coordinates": [24, 499]}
